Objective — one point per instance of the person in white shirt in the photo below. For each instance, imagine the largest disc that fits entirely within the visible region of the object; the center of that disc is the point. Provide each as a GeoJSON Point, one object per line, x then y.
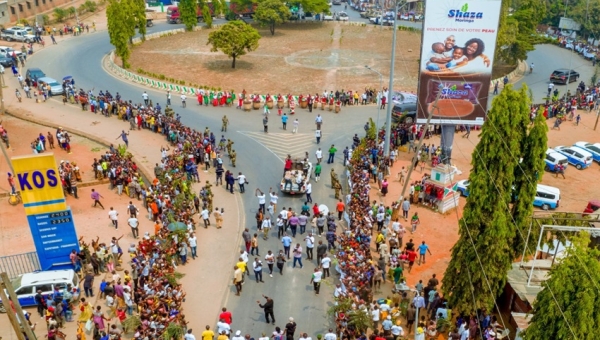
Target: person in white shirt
{"type": "Point", "coordinates": [273, 197]}
{"type": "Point", "coordinates": [223, 326]}
{"type": "Point", "coordinates": [397, 331]}
{"type": "Point", "coordinates": [319, 155]}
{"type": "Point", "coordinates": [261, 199]}
{"type": "Point", "coordinates": [316, 280]}
{"type": "Point", "coordinates": [133, 224]}
{"type": "Point", "coordinates": [264, 337]}
{"type": "Point", "coordinates": [189, 335]}
{"type": "Point", "coordinates": [183, 98]}
{"type": "Point", "coordinates": [113, 216]}
{"type": "Point", "coordinates": [270, 259]}
{"type": "Point", "coordinates": [310, 245]}
{"type": "Point", "coordinates": [330, 335]}
{"type": "Point", "coordinates": [257, 266]}
{"type": "Point", "coordinates": [375, 314]}
{"type": "Point", "coordinates": [303, 337]}
{"type": "Point", "coordinates": [206, 217]}
{"type": "Point", "coordinates": [266, 226]}
{"type": "Point", "coordinates": [193, 241]}
{"type": "Point", "coordinates": [241, 181]}
{"type": "Point", "coordinates": [238, 336]}
{"type": "Point", "coordinates": [325, 264]}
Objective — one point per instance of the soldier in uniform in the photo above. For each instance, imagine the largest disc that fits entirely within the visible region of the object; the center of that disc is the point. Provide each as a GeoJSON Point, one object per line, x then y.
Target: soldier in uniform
{"type": "Point", "coordinates": [207, 186]}
{"type": "Point", "coordinates": [209, 199]}
{"type": "Point", "coordinates": [338, 188]}
{"type": "Point", "coordinates": [229, 145]}
{"type": "Point", "coordinates": [334, 178]}
{"type": "Point", "coordinates": [233, 156]}
{"type": "Point", "coordinates": [225, 123]}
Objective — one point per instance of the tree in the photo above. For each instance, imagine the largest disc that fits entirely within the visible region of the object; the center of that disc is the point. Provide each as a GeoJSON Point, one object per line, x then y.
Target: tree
{"type": "Point", "coordinates": [207, 16]}
{"type": "Point", "coordinates": [312, 6]}
{"type": "Point", "coordinates": [527, 174]}
{"type": "Point", "coordinates": [483, 253]}
{"type": "Point", "coordinates": [517, 29]}
{"type": "Point", "coordinates": [118, 29]}
{"type": "Point", "coordinates": [235, 39]}
{"type": "Point", "coordinates": [60, 14]}
{"type": "Point", "coordinates": [270, 13]}
{"type": "Point", "coordinates": [188, 13]}
{"type": "Point", "coordinates": [567, 306]}
{"type": "Point", "coordinates": [71, 11]}
{"type": "Point", "coordinates": [139, 12]}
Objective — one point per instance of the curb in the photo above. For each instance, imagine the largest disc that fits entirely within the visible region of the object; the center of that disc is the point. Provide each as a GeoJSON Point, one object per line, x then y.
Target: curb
{"type": "Point", "coordinates": [517, 72]}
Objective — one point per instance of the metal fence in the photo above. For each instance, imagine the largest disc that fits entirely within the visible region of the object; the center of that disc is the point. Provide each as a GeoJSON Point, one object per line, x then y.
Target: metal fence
{"type": "Point", "coordinates": [15, 265]}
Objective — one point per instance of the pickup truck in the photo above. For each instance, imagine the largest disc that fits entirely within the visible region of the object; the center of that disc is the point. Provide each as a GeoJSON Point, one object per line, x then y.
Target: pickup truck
{"type": "Point", "coordinates": [387, 21]}
{"type": "Point", "coordinates": [17, 35]}
{"type": "Point", "coordinates": [292, 187]}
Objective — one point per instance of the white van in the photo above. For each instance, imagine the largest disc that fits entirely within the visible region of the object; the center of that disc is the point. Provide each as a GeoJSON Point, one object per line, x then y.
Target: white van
{"type": "Point", "coordinates": [546, 197]}
{"type": "Point", "coordinates": [27, 285]}
{"type": "Point", "coordinates": [554, 158]}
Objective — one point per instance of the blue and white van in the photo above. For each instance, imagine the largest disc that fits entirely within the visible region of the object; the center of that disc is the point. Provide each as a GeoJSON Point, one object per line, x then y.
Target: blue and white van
{"type": "Point", "coordinates": [580, 158]}
{"type": "Point", "coordinates": [553, 159]}
{"type": "Point", "coordinates": [546, 197]}
{"type": "Point", "coordinates": [593, 148]}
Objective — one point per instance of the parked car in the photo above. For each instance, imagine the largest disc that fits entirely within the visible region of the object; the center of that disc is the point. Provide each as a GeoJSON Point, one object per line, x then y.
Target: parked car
{"type": "Point", "coordinates": [8, 51]}
{"type": "Point", "coordinates": [328, 17]}
{"type": "Point", "coordinates": [34, 73]}
{"type": "Point", "coordinates": [593, 148]}
{"type": "Point", "coordinates": [462, 187]}
{"type": "Point", "coordinates": [546, 197]}
{"type": "Point", "coordinates": [592, 206]}
{"type": "Point", "coordinates": [6, 62]}
{"type": "Point", "coordinates": [55, 87]}
{"type": "Point", "coordinates": [17, 35]}
{"type": "Point", "coordinates": [564, 76]}
{"type": "Point", "coordinates": [387, 21]}
{"type": "Point", "coordinates": [337, 2]}
{"type": "Point", "coordinates": [580, 158]}
{"type": "Point", "coordinates": [342, 16]}
{"type": "Point", "coordinates": [400, 97]}
{"type": "Point", "coordinates": [404, 113]}
{"type": "Point", "coordinates": [27, 285]}
{"type": "Point", "coordinates": [553, 159]}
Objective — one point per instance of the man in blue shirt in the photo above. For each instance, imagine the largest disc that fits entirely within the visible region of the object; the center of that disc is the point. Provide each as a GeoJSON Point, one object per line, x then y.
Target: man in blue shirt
{"type": "Point", "coordinates": [423, 249]}
{"type": "Point", "coordinates": [284, 120]}
{"type": "Point", "coordinates": [287, 242]}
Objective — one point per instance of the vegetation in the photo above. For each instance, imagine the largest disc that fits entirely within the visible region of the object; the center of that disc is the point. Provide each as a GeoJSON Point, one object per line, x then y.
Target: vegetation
{"type": "Point", "coordinates": [235, 39]}
{"type": "Point", "coordinates": [566, 307]}
{"type": "Point", "coordinates": [188, 10]}
{"type": "Point", "coordinates": [271, 13]}
{"type": "Point", "coordinates": [139, 14]}
{"type": "Point", "coordinates": [517, 29]}
{"type": "Point", "coordinates": [121, 28]}
{"type": "Point", "coordinates": [60, 14]}
{"type": "Point", "coordinates": [484, 252]}
{"type": "Point", "coordinates": [208, 19]}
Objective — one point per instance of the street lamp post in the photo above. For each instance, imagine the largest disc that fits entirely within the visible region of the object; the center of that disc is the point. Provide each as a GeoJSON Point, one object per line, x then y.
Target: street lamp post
{"type": "Point", "coordinates": [378, 104]}
{"type": "Point", "coordinates": [388, 120]}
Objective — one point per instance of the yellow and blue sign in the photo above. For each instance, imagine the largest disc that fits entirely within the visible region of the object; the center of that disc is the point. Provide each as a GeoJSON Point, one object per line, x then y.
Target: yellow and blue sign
{"type": "Point", "coordinates": [38, 180]}
{"type": "Point", "coordinates": [50, 220]}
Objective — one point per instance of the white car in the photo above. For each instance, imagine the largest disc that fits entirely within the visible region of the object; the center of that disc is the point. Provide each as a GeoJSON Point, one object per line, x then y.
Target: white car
{"type": "Point", "coordinates": [342, 16]}
{"type": "Point", "coordinates": [328, 17]}
{"type": "Point", "coordinates": [593, 148]}
{"type": "Point", "coordinates": [5, 49]}
{"type": "Point", "coordinates": [462, 187]}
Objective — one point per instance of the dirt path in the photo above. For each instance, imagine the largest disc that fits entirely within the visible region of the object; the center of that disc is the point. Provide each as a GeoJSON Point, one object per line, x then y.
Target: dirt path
{"type": "Point", "coordinates": [331, 76]}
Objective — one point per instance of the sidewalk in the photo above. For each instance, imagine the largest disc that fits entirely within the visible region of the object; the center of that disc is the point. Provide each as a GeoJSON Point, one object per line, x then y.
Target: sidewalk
{"type": "Point", "coordinates": [211, 270]}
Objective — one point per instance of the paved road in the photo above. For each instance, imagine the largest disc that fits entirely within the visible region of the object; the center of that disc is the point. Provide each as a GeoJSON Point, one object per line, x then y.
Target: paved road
{"type": "Point", "coordinates": [259, 157]}
{"type": "Point", "coordinates": [548, 58]}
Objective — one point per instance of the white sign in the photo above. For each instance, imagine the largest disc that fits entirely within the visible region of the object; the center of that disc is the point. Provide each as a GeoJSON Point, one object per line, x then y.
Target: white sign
{"type": "Point", "coordinates": [569, 24]}
{"type": "Point", "coordinates": [459, 40]}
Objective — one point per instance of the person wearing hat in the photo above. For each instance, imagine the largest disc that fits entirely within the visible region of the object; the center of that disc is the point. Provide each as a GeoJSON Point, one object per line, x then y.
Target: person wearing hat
{"type": "Point", "coordinates": [290, 329]}
{"type": "Point", "coordinates": [238, 336]}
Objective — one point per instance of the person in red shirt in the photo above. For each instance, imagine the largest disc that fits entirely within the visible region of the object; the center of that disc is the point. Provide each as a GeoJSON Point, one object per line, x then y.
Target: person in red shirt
{"type": "Point", "coordinates": [412, 255]}
{"type": "Point", "coordinates": [226, 316]}
{"type": "Point", "coordinates": [340, 209]}
{"type": "Point", "coordinates": [316, 210]}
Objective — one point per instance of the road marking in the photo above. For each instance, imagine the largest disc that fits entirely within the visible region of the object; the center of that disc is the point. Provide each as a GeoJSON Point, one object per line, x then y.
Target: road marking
{"type": "Point", "coordinates": [283, 144]}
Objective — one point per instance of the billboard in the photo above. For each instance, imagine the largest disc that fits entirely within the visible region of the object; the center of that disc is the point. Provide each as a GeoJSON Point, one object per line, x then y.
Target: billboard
{"type": "Point", "coordinates": [569, 24]}
{"type": "Point", "coordinates": [38, 180]}
{"type": "Point", "coordinates": [50, 220]}
{"type": "Point", "coordinates": [457, 54]}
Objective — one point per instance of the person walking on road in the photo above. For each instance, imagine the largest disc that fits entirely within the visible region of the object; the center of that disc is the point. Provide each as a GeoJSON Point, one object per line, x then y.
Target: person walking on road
{"type": "Point", "coordinates": [261, 199]}
{"type": "Point", "coordinates": [168, 98]}
{"type": "Point", "coordinates": [270, 259]}
{"type": "Point", "coordinates": [183, 98]}
{"type": "Point", "coordinates": [423, 249]}
{"type": "Point", "coordinates": [241, 182]}
{"type": "Point", "coordinates": [257, 266]}
{"type": "Point", "coordinates": [268, 309]}
{"type": "Point", "coordinates": [405, 208]}
{"type": "Point", "coordinates": [332, 151]}
{"type": "Point", "coordinates": [96, 197]}
{"type": "Point", "coordinates": [295, 126]}
{"type": "Point", "coordinates": [123, 136]}
{"type": "Point", "coordinates": [237, 280]}
{"type": "Point", "coordinates": [317, 275]}
{"type": "Point", "coordinates": [266, 124]}
{"type": "Point", "coordinates": [318, 121]}
{"type": "Point", "coordinates": [318, 136]}
{"type": "Point", "coordinates": [133, 224]}
{"type": "Point", "coordinates": [297, 256]}
{"type": "Point", "coordinates": [287, 242]}
{"type": "Point", "coordinates": [280, 261]}
{"type": "Point", "coordinates": [145, 97]}
{"type": "Point", "coordinates": [284, 120]}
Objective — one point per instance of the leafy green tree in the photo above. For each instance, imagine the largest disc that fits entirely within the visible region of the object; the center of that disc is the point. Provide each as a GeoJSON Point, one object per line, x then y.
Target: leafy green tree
{"type": "Point", "coordinates": [235, 39]}
{"type": "Point", "coordinates": [207, 16]}
{"type": "Point", "coordinates": [567, 307]}
{"type": "Point", "coordinates": [118, 30]}
{"type": "Point", "coordinates": [312, 6]}
{"type": "Point", "coordinates": [517, 29]}
{"type": "Point", "coordinates": [139, 11]}
{"type": "Point", "coordinates": [60, 14]}
{"type": "Point", "coordinates": [188, 11]}
{"type": "Point", "coordinates": [270, 13]}
{"type": "Point", "coordinates": [483, 253]}
{"type": "Point", "coordinates": [527, 175]}
{"type": "Point", "coordinates": [71, 11]}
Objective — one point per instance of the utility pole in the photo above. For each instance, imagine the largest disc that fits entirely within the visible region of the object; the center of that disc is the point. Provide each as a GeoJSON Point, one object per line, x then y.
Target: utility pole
{"type": "Point", "coordinates": [412, 163]}
{"type": "Point", "coordinates": [388, 118]}
{"type": "Point", "coordinates": [23, 325]}
{"type": "Point", "coordinates": [1, 90]}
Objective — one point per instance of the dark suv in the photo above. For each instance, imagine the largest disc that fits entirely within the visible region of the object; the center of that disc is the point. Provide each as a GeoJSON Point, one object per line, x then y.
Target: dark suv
{"type": "Point", "coordinates": [404, 113]}
{"type": "Point", "coordinates": [564, 76]}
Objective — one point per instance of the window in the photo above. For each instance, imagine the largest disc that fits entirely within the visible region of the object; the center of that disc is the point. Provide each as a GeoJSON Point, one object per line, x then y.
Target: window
{"type": "Point", "coordinates": [24, 290]}
{"type": "Point", "coordinates": [550, 158]}
{"type": "Point", "coordinates": [20, 8]}
{"type": "Point", "coordinates": [44, 2]}
{"type": "Point", "coordinates": [12, 11]}
{"type": "Point", "coordinates": [37, 3]}
{"type": "Point", "coordinates": [28, 5]}
{"type": "Point", "coordinates": [45, 288]}
{"type": "Point", "coordinates": [3, 14]}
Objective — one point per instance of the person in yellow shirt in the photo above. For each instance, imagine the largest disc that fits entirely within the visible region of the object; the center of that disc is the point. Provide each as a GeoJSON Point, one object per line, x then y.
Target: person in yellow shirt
{"type": "Point", "coordinates": [242, 266]}
{"type": "Point", "coordinates": [223, 336]}
{"type": "Point", "coordinates": [208, 334]}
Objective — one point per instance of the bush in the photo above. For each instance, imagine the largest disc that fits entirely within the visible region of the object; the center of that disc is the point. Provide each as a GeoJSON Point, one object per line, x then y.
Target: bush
{"type": "Point", "coordinates": [90, 6]}
{"type": "Point", "coordinates": [45, 19]}
{"type": "Point", "coordinates": [71, 11]}
{"type": "Point", "coordinates": [60, 14]}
